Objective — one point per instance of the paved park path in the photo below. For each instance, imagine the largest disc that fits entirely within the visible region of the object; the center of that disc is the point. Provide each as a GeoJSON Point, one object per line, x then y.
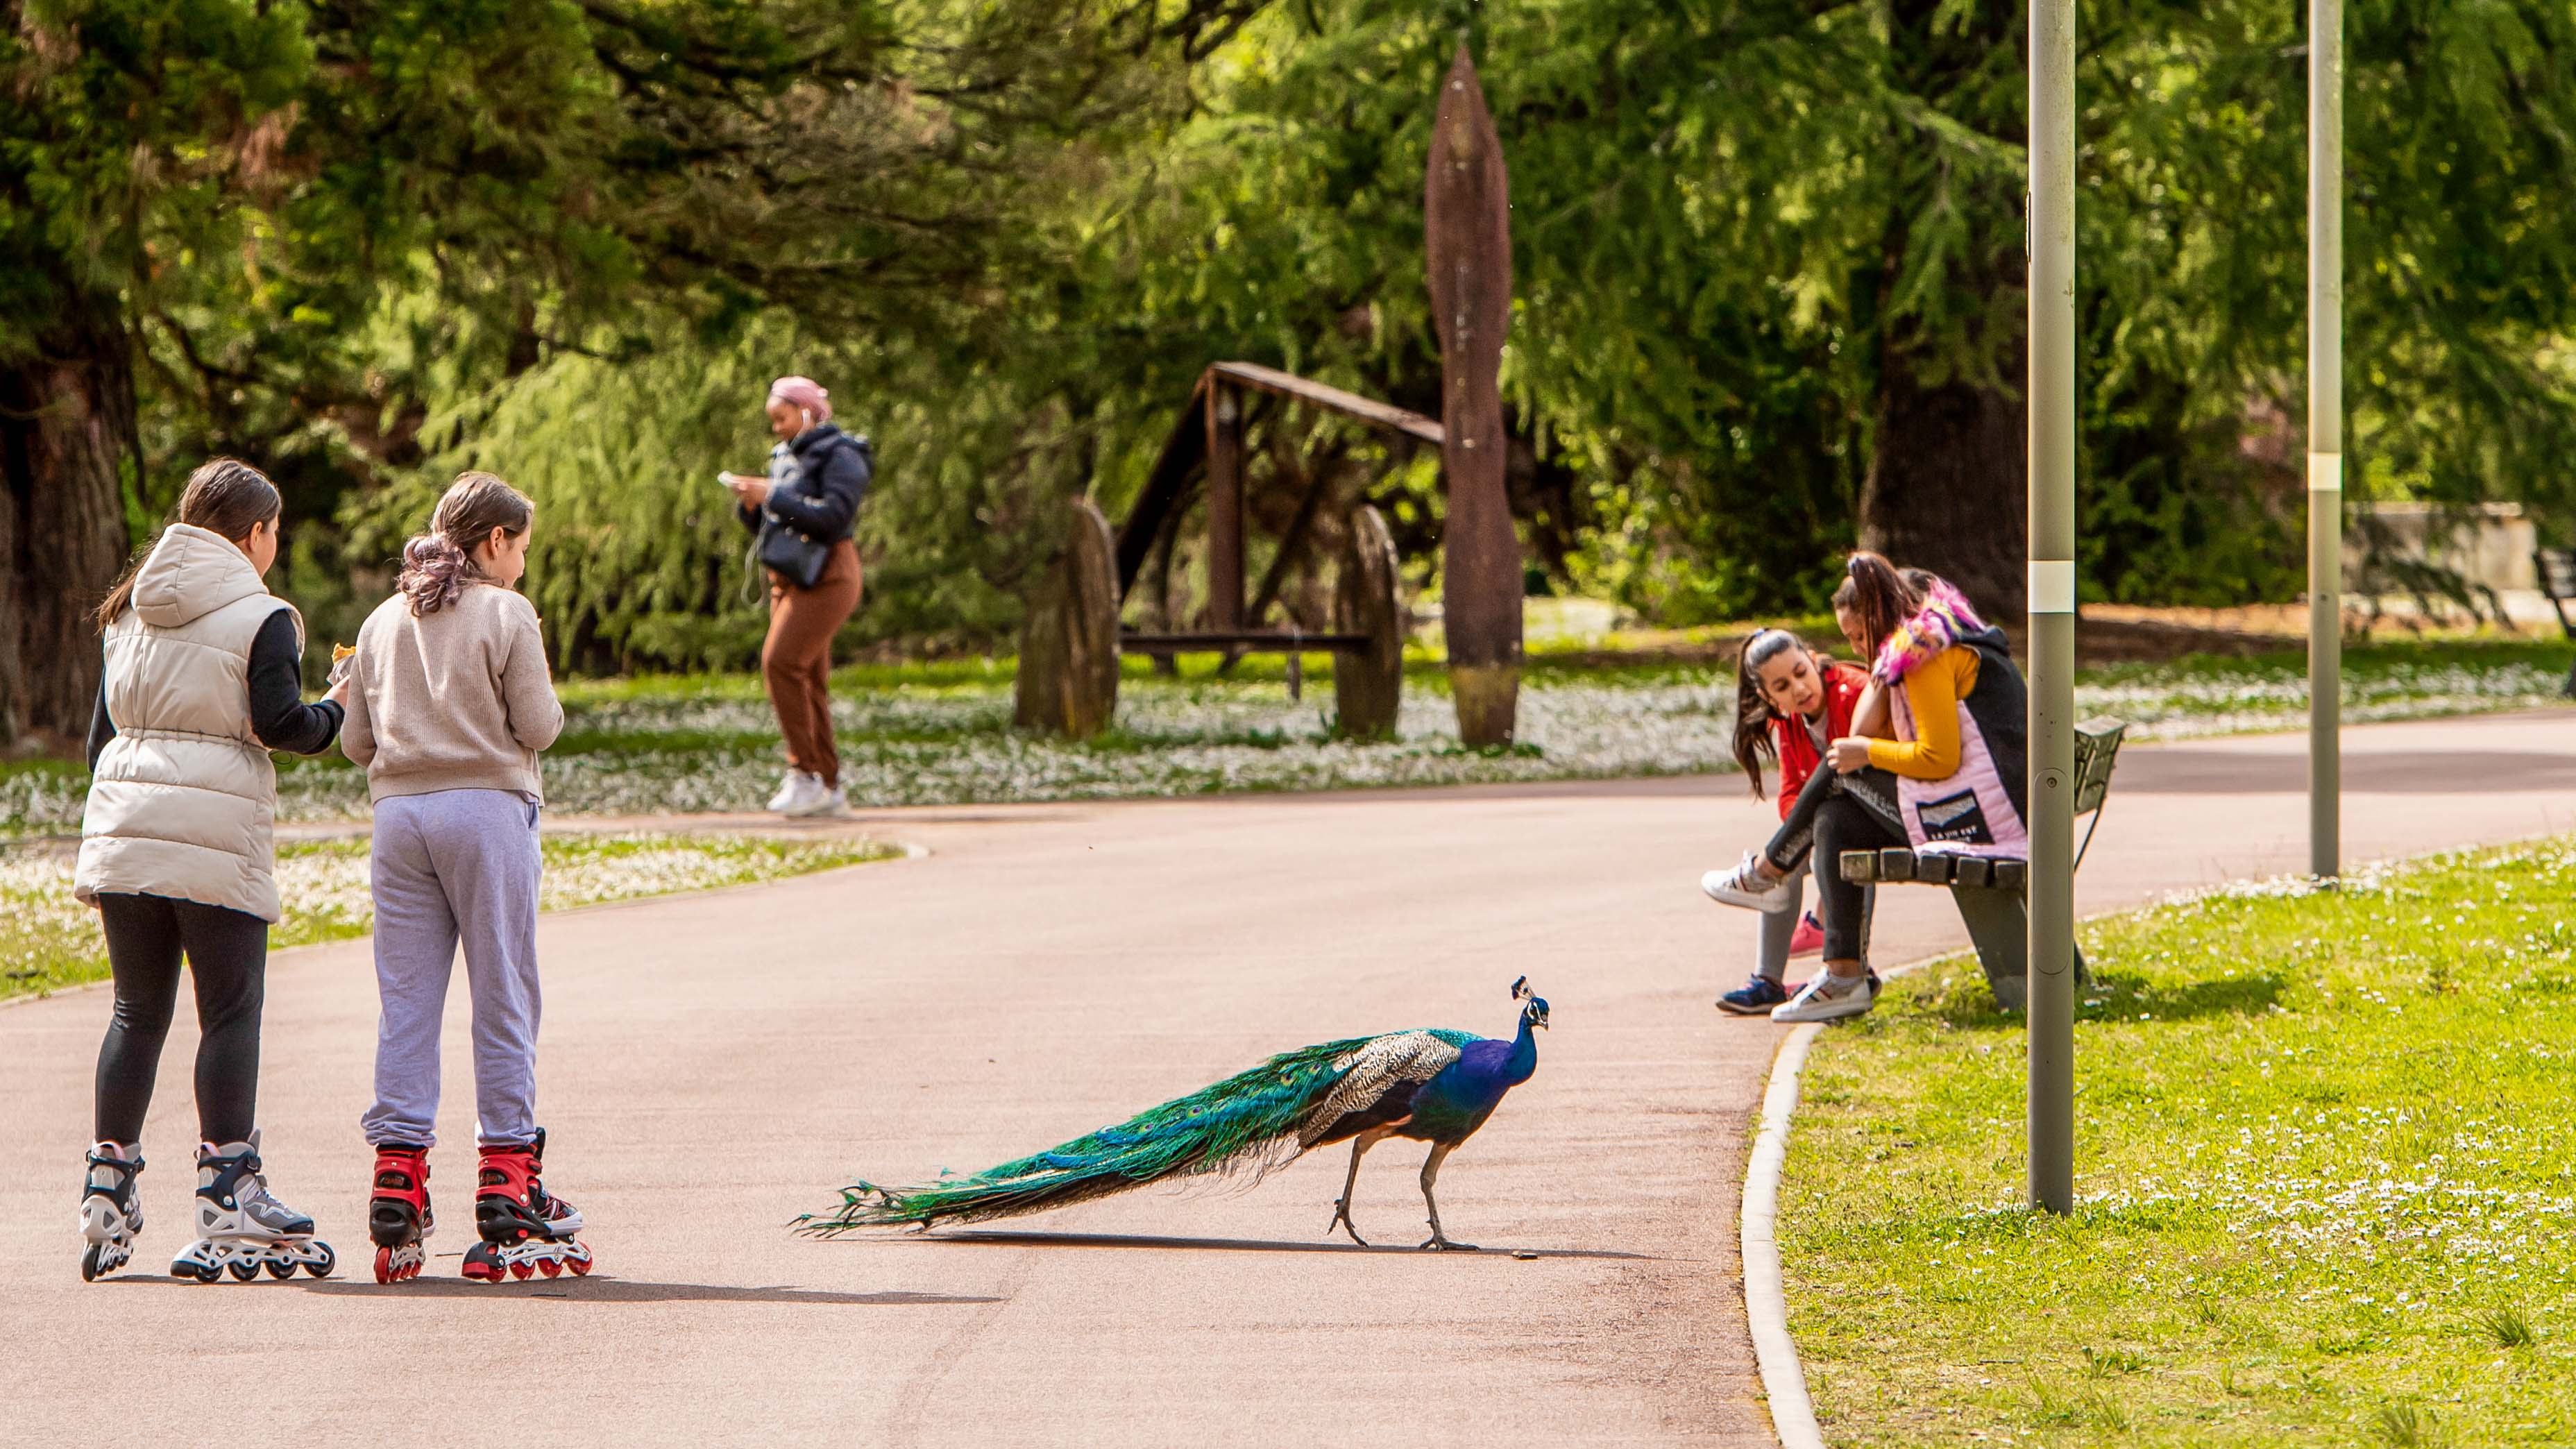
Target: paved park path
{"type": "Point", "coordinates": [715, 1064]}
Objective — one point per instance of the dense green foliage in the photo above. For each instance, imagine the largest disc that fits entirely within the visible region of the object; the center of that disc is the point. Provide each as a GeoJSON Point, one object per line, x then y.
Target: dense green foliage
{"type": "Point", "coordinates": [369, 245]}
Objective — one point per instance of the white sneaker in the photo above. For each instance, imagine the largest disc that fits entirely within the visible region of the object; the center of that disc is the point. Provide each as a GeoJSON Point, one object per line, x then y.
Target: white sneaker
{"type": "Point", "coordinates": [786, 790]}
{"type": "Point", "coordinates": [829, 804]}
{"type": "Point", "coordinates": [1744, 886]}
{"type": "Point", "coordinates": [798, 794]}
{"type": "Point", "coordinates": [1829, 998]}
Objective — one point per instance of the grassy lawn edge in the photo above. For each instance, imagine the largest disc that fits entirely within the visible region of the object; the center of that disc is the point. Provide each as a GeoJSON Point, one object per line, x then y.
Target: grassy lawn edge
{"type": "Point", "coordinates": [50, 943]}
{"type": "Point", "coordinates": [2321, 1188]}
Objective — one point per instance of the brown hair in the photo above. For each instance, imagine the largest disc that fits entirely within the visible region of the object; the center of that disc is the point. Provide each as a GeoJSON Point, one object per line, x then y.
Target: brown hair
{"type": "Point", "coordinates": [1753, 712]}
{"type": "Point", "coordinates": [437, 565]}
{"type": "Point", "coordinates": [226, 497]}
{"type": "Point", "coordinates": [1877, 597]}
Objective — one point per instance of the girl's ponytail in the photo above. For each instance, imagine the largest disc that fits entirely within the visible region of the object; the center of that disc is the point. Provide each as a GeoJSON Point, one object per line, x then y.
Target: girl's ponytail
{"type": "Point", "coordinates": [1753, 713]}
{"type": "Point", "coordinates": [1880, 599]}
{"type": "Point", "coordinates": [438, 565]}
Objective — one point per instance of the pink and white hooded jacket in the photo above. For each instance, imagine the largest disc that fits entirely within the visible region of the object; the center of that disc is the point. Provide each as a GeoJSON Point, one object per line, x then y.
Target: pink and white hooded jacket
{"type": "Point", "coordinates": [1977, 809]}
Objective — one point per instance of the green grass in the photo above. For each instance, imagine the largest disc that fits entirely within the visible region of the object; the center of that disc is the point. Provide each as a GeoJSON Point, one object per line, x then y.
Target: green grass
{"type": "Point", "coordinates": [49, 941]}
{"type": "Point", "coordinates": [2325, 1176]}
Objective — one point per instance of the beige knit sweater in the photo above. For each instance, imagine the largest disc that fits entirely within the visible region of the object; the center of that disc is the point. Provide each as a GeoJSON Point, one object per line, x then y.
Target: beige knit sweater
{"type": "Point", "coordinates": [455, 700]}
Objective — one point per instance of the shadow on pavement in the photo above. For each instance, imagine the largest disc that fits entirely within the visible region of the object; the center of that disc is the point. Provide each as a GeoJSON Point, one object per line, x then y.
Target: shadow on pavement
{"type": "Point", "coordinates": [599, 1289]}
{"type": "Point", "coordinates": [2185, 770]}
{"type": "Point", "coordinates": [1235, 1245]}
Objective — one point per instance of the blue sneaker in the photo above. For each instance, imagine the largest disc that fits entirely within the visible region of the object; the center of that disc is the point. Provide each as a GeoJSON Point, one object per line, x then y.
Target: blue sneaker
{"type": "Point", "coordinates": [1754, 998]}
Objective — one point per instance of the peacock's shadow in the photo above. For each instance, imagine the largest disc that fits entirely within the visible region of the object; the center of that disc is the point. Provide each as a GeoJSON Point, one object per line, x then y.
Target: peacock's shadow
{"type": "Point", "coordinates": [1024, 1239]}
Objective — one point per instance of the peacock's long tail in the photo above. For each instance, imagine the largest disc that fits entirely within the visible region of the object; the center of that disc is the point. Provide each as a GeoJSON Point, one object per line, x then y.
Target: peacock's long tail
{"type": "Point", "coordinates": [1250, 1122]}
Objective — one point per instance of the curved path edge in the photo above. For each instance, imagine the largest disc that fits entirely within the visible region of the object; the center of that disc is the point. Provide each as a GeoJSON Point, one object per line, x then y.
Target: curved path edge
{"type": "Point", "coordinates": [1766, 1306]}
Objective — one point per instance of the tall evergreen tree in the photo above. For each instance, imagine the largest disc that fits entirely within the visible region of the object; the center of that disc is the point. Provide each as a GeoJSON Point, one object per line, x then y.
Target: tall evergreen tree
{"type": "Point", "coordinates": [261, 204]}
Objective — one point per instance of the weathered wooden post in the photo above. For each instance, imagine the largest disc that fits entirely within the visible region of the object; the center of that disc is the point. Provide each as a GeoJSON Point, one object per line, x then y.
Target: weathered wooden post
{"type": "Point", "coordinates": [1224, 505]}
{"type": "Point", "coordinates": [1468, 239]}
{"type": "Point", "coordinates": [1068, 679]}
{"type": "Point", "coordinates": [1368, 683]}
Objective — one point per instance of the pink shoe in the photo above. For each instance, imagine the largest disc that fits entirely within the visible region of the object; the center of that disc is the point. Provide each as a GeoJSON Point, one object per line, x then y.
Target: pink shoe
{"type": "Point", "coordinates": [1808, 939]}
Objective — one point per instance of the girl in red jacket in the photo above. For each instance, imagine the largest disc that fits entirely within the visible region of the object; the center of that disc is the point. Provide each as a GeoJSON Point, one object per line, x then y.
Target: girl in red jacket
{"type": "Point", "coordinates": [1791, 702]}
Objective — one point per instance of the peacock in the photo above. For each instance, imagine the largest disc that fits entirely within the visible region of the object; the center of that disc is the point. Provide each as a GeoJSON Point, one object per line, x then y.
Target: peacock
{"type": "Point", "coordinates": [1431, 1085]}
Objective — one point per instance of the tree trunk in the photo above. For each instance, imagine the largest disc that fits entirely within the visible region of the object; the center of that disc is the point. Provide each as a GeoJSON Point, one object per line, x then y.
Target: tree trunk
{"type": "Point", "coordinates": [1948, 486]}
{"type": "Point", "coordinates": [1948, 477]}
{"type": "Point", "coordinates": [66, 424]}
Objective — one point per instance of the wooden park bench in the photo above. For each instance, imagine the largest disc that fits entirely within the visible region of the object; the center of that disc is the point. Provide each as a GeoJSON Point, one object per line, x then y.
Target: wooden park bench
{"type": "Point", "coordinates": [1990, 892]}
{"type": "Point", "coordinates": [2556, 570]}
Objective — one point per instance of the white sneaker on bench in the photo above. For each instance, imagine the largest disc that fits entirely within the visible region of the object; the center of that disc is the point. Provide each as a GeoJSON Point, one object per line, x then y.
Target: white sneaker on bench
{"type": "Point", "coordinates": [1829, 998]}
{"type": "Point", "coordinates": [1744, 886]}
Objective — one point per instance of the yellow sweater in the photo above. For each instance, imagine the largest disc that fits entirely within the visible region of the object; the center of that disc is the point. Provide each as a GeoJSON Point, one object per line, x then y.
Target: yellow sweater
{"type": "Point", "coordinates": [1932, 692]}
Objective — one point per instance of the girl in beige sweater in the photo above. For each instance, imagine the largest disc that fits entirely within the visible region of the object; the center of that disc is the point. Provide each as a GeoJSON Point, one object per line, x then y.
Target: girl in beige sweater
{"type": "Point", "coordinates": [449, 705]}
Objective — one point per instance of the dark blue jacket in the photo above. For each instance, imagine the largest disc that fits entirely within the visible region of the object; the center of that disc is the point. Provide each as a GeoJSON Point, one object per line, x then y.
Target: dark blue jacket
{"type": "Point", "coordinates": [816, 482]}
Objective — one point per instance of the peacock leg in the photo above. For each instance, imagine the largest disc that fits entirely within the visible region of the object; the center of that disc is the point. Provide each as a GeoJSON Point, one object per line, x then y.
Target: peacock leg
{"type": "Point", "coordinates": [1342, 1209]}
{"type": "Point", "coordinates": [1431, 1174]}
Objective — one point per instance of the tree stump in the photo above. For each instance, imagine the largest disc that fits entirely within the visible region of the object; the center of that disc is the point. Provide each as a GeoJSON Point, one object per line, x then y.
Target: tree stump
{"type": "Point", "coordinates": [1068, 677]}
{"type": "Point", "coordinates": [1368, 684]}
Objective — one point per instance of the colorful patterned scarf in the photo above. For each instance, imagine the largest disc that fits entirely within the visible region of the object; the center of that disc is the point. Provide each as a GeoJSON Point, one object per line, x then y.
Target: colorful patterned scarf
{"type": "Point", "coordinates": [1945, 618]}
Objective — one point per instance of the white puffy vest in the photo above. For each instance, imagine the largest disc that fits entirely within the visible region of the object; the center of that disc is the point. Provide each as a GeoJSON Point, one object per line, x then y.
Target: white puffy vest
{"type": "Point", "coordinates": [183, 800]}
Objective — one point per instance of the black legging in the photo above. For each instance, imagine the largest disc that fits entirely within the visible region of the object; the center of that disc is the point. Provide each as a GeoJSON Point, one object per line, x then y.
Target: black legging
{"type": "Point", "coordinates": [1833, 813]}
{"type": "Point", "coordinates": [227, 954]}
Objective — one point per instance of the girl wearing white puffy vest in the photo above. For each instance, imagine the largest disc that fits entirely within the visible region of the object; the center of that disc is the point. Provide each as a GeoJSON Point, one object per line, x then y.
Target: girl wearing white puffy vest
{"type": "Point", "coordinates": [204, 671]}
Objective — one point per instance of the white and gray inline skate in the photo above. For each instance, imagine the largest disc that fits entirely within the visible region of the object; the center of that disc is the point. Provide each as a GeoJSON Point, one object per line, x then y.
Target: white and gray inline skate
{"type": "Point", "coordinates": [241, 1228]}
{"type": "Point", "coordinates": [111, 1214]}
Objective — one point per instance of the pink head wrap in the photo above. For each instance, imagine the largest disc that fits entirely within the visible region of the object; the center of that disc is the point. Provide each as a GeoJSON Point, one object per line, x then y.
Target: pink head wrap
{"type": "Point", "coordinates": [803, 392]}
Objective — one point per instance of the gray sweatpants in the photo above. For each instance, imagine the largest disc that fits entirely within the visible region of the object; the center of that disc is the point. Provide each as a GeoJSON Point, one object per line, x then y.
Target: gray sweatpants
{"type": "Point", "coordinates": [457, 865]}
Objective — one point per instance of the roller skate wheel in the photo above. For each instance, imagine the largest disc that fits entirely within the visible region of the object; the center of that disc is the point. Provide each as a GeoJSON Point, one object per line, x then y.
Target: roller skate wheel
{"type": "Point", "coordinates": [99, 1258]}
{"type": "Point", "coordinates": [522, 1271]}
{"type": "Point", "coordinates": [280, 1269]}
{"type": "Point", "coordinates": [199, 1272]}
{"type": "Point", "coordinates": [579, 1262]}
{"type": "Point", "coordinates": [385, 1266]}
{"type": "Point", "coordinates": [321, 1266]}
{"type": "Point", "coordinates": [550, 1268]}
{"type": "Point", "coordinates": [242, 1269]}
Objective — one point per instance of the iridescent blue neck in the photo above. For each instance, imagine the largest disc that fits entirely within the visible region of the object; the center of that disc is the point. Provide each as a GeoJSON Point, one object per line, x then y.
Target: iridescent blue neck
{"type": "Point", "coordinates": [1518, 1067]}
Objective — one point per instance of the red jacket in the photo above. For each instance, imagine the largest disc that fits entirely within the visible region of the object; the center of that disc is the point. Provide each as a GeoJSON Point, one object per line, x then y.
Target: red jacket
{"type": "Point", "coordinates": [1798, 754]}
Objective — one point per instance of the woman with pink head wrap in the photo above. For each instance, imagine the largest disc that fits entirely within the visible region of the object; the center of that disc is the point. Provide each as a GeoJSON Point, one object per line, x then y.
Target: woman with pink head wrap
{"type": "Point", "coordinates": [802, 393]}
{"type": "Point", "coordinates": [817, 475]}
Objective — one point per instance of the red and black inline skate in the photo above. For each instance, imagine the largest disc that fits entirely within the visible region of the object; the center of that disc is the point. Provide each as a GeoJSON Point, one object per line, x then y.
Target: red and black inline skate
{"type": "Point", "coordinates": [398, 1218]}
{"type": "Point", "coordinates": [524, 1229]}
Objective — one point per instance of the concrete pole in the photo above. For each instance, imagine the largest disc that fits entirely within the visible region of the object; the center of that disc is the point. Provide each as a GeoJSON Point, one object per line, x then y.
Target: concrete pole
{"type": "Point", "coordinates": [2325, 436]}
{"type": "Point", "coordinates": [2051, 792]}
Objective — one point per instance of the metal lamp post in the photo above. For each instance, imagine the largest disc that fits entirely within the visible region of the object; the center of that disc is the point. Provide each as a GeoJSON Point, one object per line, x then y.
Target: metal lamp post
{"type": "Point", "coordinates": [2051, 792]}
{"type": "Point", "coordinates": [2325, 435]}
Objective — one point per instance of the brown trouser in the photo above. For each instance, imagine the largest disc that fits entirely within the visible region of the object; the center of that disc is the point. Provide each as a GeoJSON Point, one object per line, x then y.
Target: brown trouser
{"type": "Point", "coordinates": [796, 659]}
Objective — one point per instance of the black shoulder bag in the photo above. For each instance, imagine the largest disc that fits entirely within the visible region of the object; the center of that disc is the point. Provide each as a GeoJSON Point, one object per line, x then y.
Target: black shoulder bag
{"type": "Point", "coordinates": [789, 554]}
